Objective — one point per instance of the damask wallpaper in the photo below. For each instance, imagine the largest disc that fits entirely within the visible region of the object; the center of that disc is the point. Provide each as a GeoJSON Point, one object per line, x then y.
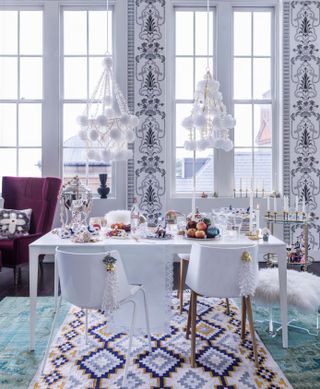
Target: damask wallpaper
{"type": "Point", "coordinates": [304, 111]}
{"type": "Point", "coordinates": [149, 62]}
{"type": "Point", "coordinates": [301, 112]}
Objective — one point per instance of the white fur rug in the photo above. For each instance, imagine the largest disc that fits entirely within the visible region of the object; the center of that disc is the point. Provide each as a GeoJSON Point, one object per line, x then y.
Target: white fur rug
{"type": "Point", "coordinates": [303, 289]}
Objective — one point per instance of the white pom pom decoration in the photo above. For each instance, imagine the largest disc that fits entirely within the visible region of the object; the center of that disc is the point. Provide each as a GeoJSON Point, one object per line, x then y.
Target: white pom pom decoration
{"type": "Point", "coordinates": [115, 134]}
{"type": "Point", "coordinates": [106, 155]}
{"type": "Point", "coordinates": [109, 113]}
{"type": "Point", "coordinates": [213, 85]}
{"type": "Point", "coordinates": [108, 100]}
{"type": "Point", "coordinates": [228, 145]}
{"type": "Point", "coordinates": [134, 121]}
{"type": "Point", "coordinates": [229, 122]}
{"type": "Point", "coordinates": [201, 85]}
{"type": "Point", "coordinates": [82, 120]}
{"type": "Point", "coordinates": [128, 154]}
{"type": "Point", "coordinates": [199, 120]}
{"type": "Point", "coordinates": [189, 145]}
{"type": "Point", "coordinates": [91, 154]}
{"type": "Point", "coordinates": [130, 135]}
{"type": "Point", "coordinates": [107, 62]}
{"type": "Point", "coordinates": [83, 135]}
{"type": "Point", "coordinates": [216, 122]}
{"type": "Point", "coordinates": [187, 122]}
{"type": "Point", "coordinates": [120, 155]}
{"type": "Point", "coordinates": [102, 120]}
{"type": "Point", "coordinates": [202, 144]}
{"type": "Point", "coordinates": [124, 119]}
{"type": "Point", "coordinates": [94, 135]}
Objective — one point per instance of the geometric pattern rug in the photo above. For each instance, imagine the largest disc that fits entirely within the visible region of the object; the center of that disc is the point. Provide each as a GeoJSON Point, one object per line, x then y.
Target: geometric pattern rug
{"type": "Point", "coordinates": [223, 361]}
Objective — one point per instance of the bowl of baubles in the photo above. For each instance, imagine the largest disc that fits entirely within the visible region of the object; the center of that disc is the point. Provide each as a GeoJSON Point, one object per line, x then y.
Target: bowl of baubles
{"type": "Point", "coordinates": [201, 230]}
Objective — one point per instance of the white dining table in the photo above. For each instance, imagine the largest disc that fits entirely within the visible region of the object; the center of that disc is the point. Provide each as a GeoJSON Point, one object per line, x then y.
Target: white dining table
{"type": "Point", "coordinates": [142, 260]}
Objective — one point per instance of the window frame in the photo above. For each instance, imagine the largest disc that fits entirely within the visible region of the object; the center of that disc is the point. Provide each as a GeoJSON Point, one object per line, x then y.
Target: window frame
{"type": "Point", "coordinates": [19, 100]}
{"type": "Point", "coordinates": [52, 139]}
{"type": "Point", "coordinates": [223, 184]}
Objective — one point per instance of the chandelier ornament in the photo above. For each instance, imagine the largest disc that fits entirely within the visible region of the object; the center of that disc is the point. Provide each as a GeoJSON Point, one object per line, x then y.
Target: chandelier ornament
{"type": "Point", "coordinates": [106, 125]}
{"type": "Point", "coordinates": [209, 124]}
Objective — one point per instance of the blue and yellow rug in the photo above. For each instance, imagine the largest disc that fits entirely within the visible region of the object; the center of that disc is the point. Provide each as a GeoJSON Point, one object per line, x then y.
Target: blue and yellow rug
{"type": "Point", "coordinates": [223, 362]}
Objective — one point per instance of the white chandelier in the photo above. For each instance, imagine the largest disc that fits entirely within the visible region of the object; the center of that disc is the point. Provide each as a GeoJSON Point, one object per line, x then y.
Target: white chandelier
{"type": "Point", "coordinates": [106, 124]}
{"type": "Point", "coordinates": [209, 124]}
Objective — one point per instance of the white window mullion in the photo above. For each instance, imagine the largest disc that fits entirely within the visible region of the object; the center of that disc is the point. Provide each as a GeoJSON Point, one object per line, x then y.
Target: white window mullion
{"type": "Point", "coordinates": [51, 145]}
{"type": "Point", "coordinates": [224, 162]}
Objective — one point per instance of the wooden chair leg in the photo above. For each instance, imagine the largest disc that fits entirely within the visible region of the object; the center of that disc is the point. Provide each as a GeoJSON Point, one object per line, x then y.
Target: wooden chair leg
{"type": "Point", "coordinates": [228, 306]}
{"type": "Point", "coordinates": [189, 318]}
{"type": "Point", "coordinates": [193, 329]}
{"type": "Point", "coordinates": [243, 317]}
{"type": "Point", "coordinates": [183, 263]}
{"type": "Point", "coordinates": [253, 335]}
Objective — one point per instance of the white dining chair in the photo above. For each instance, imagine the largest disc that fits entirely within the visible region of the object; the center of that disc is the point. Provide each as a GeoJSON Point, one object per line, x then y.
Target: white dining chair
{"type": "Point", "coordinates": [183, 262]}
{"type": "Point", "coordinates": [82, 282]}
{"type": "Point", "coordinates": [216, 272]}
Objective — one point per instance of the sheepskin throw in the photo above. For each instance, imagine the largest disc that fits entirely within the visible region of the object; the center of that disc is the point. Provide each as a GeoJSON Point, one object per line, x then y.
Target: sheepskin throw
{"type": "Point", "coordinates": [303, 289]}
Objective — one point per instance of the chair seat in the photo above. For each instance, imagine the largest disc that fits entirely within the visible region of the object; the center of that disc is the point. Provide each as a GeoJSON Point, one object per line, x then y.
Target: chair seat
{"type": "Point", "coordinates": [303, 289]}
{"type": "Point", "coordinates": [184, 256]}
{"type": "Point", "coordinates": [134, 289]}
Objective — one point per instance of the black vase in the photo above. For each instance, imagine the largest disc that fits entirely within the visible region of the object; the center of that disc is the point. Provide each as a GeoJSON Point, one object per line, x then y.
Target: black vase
{"type": "Point", "coordinates": [103, 189]}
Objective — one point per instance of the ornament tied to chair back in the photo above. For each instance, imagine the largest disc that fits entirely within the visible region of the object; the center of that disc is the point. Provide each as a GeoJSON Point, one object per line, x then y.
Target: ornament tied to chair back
{"type": "Point", "coordinates": [248, 275]}
{"type": "Point", "coordinates": [110, 301]}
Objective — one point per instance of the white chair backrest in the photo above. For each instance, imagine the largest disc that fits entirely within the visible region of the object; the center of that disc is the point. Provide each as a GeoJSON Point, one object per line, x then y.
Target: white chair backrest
{"type": "Point", "coordinates": [82, 276]}
{"type": "Point", "coordinates": [215, 271]}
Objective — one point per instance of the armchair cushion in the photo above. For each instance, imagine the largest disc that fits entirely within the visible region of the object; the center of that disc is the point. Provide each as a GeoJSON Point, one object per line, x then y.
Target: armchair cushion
{"type": "Point", "coordinates": [39, 194]}
{"type": "Point", "coordinates": [17, 248]}
{"type": "Point", "coordinates": [14, 223]}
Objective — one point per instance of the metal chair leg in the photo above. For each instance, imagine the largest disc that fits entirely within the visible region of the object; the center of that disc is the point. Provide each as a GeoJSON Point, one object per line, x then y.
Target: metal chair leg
{"type": "Point", "coordinates": [50, 338]}
{"type": "Point", "coordinates": [86, 325]}
{"type": "Point", "coordinates": [270, 319]}
{"type": "Point", "coordinates": [243, 317]}
{"type": "Point", "coordinates": [146, 312]}
{"type": "Point", "coordinates": [126, 367]}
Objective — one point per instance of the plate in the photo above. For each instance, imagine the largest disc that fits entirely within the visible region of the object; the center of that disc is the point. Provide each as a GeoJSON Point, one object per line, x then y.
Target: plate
{"type": "Point", "coordinates": [202, 239]}
{"type": "Point", "coordinates": [167, 237]}
{"type": "Point", "coordinates": [118, 237]}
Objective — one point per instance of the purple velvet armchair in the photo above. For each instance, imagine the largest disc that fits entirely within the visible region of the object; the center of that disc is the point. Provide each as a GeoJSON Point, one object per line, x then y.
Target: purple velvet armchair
{"type": "Point", "coordinates": [39, 194]}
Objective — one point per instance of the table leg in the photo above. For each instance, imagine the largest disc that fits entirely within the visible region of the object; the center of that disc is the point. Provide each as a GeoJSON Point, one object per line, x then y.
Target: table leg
{"type": "Point", "coordinates": [282, 268]}
{"type": "Point", "coordinates": [56, 287]}
{"type": "Point", "coordinates": [33, 285]}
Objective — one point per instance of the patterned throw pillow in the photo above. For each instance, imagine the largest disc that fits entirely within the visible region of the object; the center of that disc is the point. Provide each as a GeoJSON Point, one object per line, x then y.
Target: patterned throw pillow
{"type": "Point", "coordinates": [14, 223]}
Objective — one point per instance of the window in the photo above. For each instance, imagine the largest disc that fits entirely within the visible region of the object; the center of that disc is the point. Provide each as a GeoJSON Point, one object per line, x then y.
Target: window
{"type": "Point", "coordinates": [244, 63]}
{"type": "Point", "coordinates": [190, 67]}
{"type": "Point", "coordinates": [21, 92]}
{"type": "Point", "coordinates": [43, 91]}
{"type": "Point", "coordinates": [84, 46]}
{"type": "Point", "coordinates": [253, 98]}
